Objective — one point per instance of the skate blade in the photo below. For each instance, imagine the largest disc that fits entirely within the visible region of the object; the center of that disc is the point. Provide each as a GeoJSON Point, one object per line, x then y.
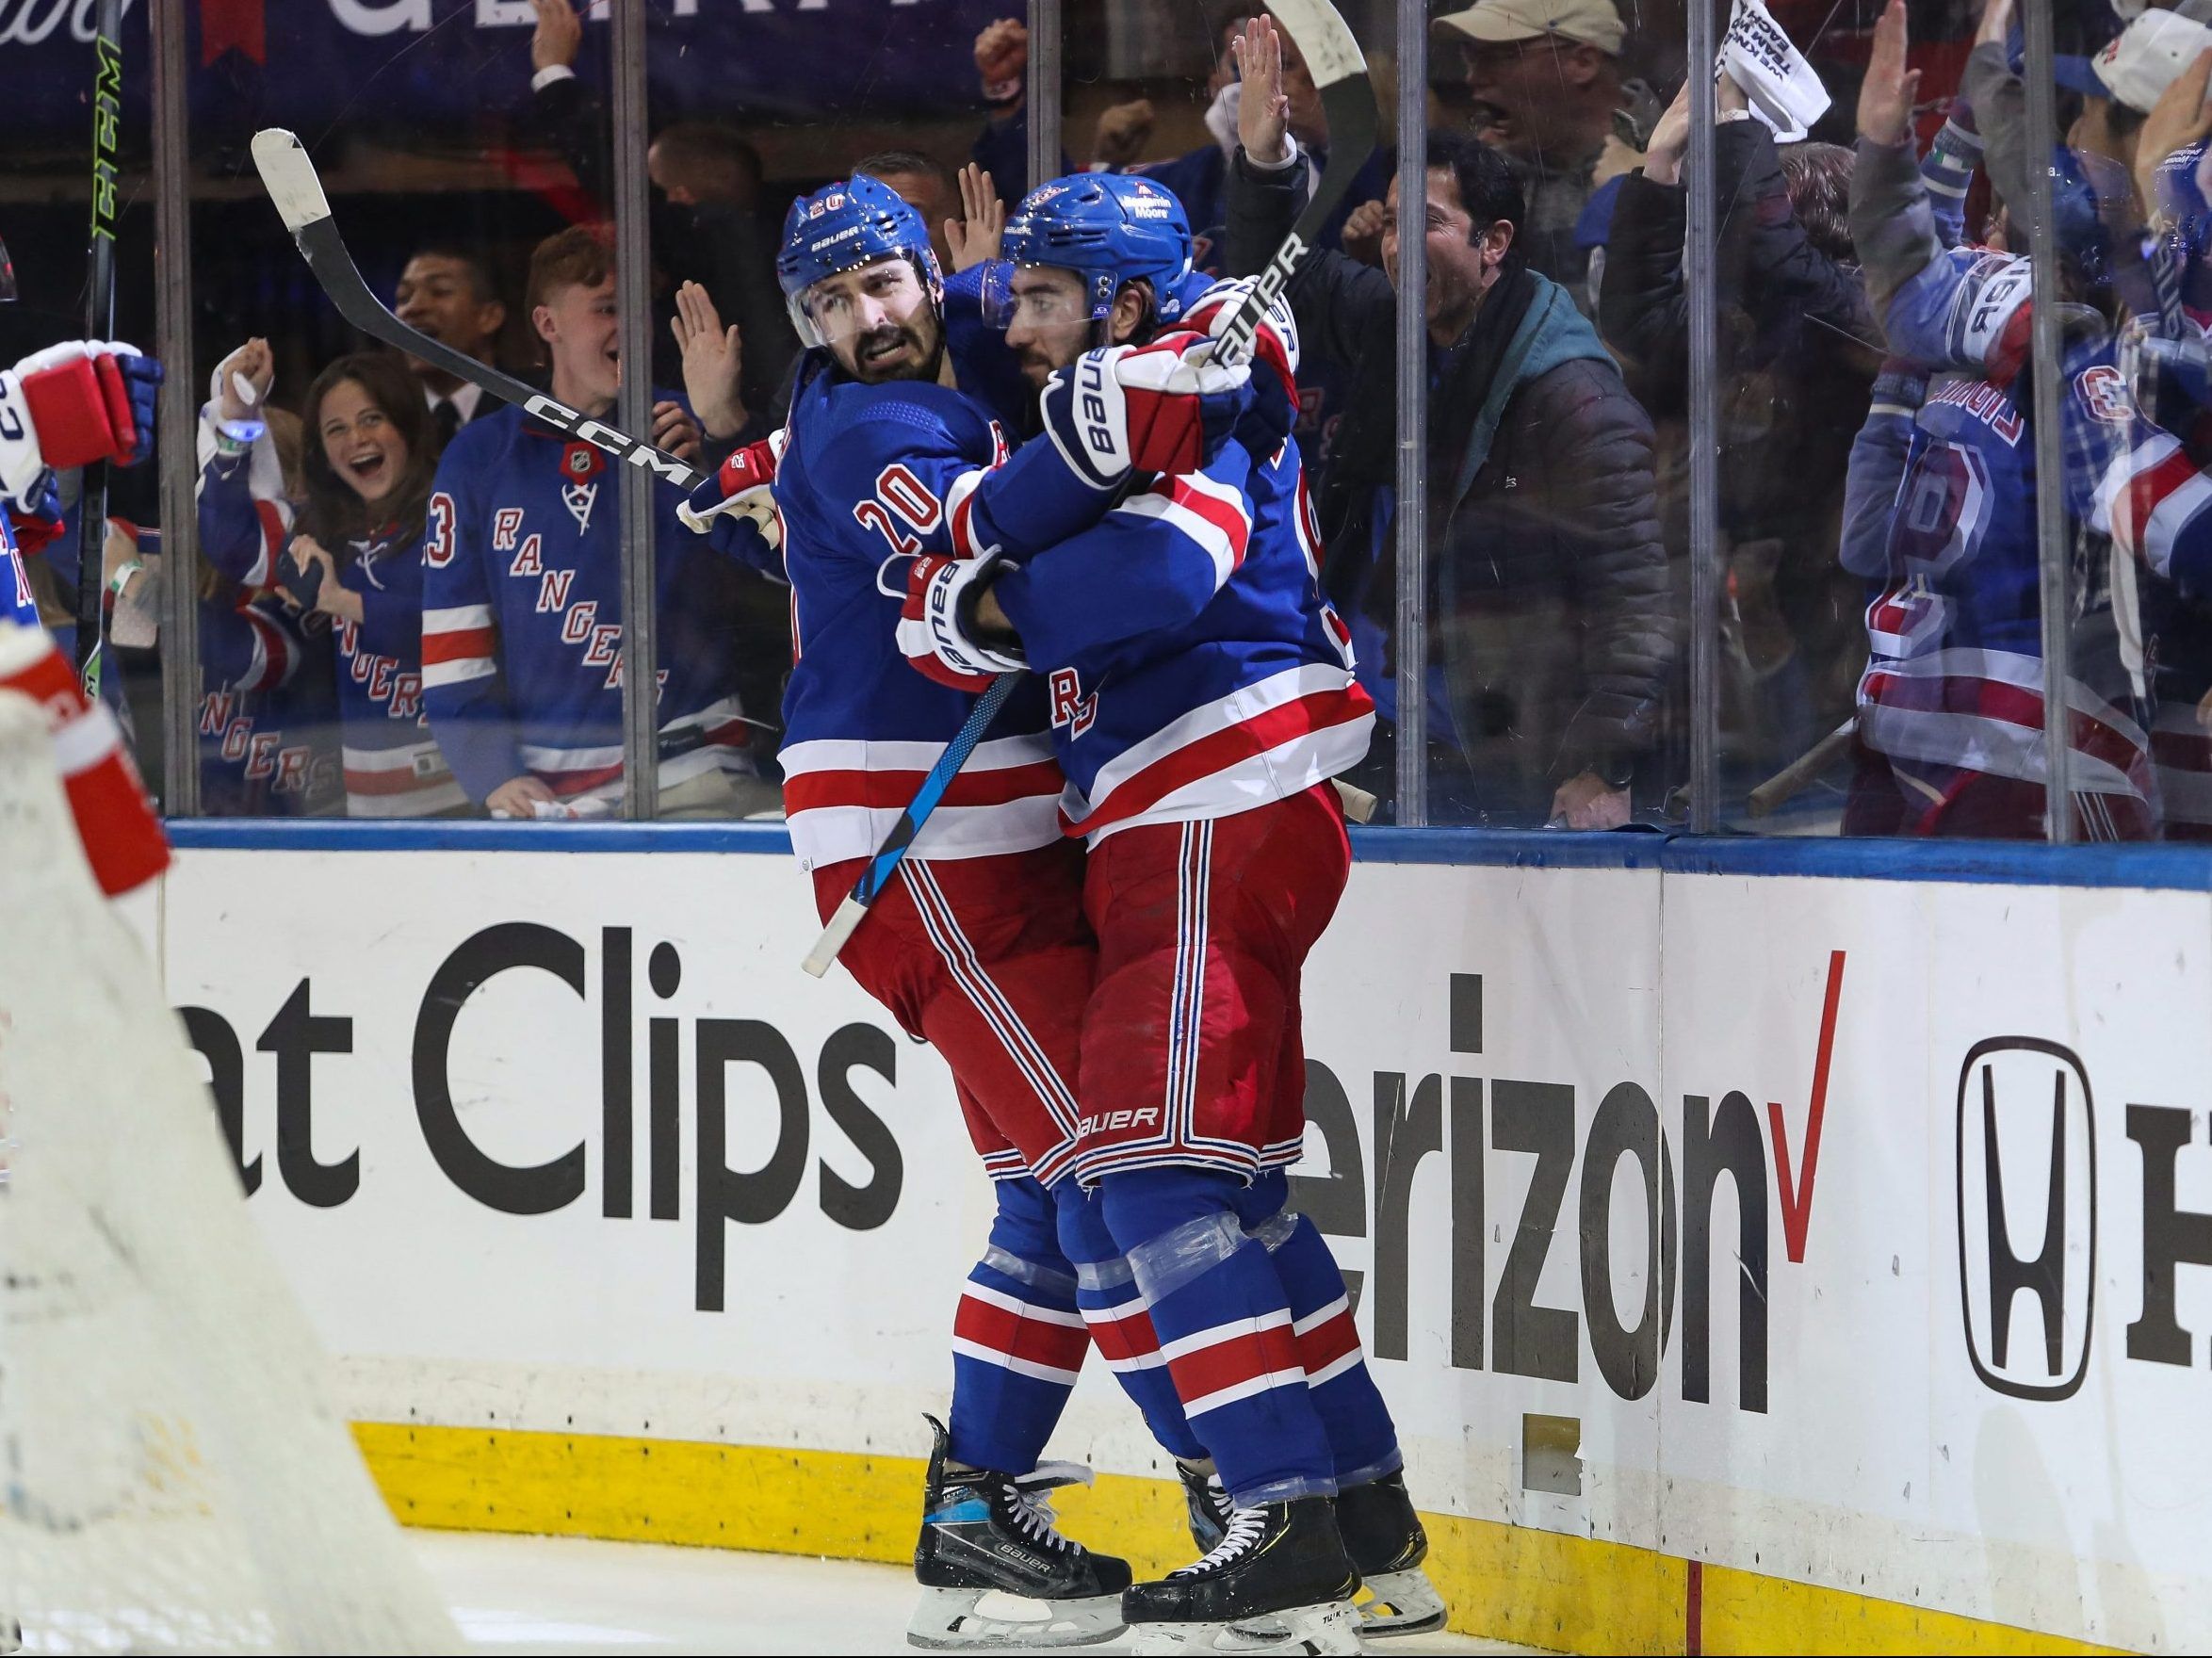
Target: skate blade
{"type": "Point", "coordinates": [951, 1620]}
{"type": "Point", "coordinates": [1401, 1603]}
{"type": "Point", "coordinates": [1329, 1629]}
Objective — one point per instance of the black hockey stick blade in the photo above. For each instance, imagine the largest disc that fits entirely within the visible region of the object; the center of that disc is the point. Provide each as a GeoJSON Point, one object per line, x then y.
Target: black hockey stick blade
{"type": "Point", "coordinates": [291, 179]}
{"type": "Point", "coordinates": [1347, 97]}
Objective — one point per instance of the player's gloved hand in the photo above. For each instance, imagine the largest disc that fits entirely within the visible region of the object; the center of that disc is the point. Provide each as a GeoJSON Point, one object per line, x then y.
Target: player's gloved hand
{"type": "Point", "coordinates": [742, 487]}
{"type": "Point", "coordinates": [80, 402]}
{"type": "Point", "coordinates": [1274, 410]}
{"type": "Point", "coordinates": [1165, 407]}
{"type": "Point", "coordinates": [938, 630]}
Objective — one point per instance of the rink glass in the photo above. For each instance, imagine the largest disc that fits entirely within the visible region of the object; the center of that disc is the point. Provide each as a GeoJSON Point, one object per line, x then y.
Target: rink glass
{"type": "Point", "coordinates": [421, 115]}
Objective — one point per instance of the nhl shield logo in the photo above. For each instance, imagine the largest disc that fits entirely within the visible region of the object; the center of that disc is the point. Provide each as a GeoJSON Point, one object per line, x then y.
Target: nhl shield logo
{"type": "Point", "coordinates": [580, 464]}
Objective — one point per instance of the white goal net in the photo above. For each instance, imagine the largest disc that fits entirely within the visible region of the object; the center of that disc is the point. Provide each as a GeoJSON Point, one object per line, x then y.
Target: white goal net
{"type": "Point", "coordinates": [173, 1474]}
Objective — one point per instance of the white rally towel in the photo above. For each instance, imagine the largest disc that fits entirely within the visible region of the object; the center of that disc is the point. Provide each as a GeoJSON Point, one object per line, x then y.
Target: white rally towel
{"type": "Point", "coordinates": [1785, 92]}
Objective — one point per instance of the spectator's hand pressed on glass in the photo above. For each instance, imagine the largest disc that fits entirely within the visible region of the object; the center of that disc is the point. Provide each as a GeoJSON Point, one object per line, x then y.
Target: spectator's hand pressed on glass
{"type": "Point", "coordinates": [1586, 801]}
{"type": "Point", "coordinates": [714, 361]}
{"type": "Point", "coordinates": [518, 797]}
{"type": "Point", "coordinates": [1001, 58]}
{"type": "Point", "coordinates": [1995, 26]}
{"type": "Point", "coordinates": [1263, 113]}
{"type": "Point", "coordinates": [1122, 133]}
{"type": "Point", "coordinates": [559, 35]}
{"type": "Point", "coordinates": [253, 363]}
{"type": "Point", "coordinates": [1885, 96]}
{"type": "Point", "coordinates": [676, 432]}
{"type": "Point", "coordinates": [334, 599]}
{"type": "Point", "coordinates": [974, 238]}
{"type": "Point", "coordinates": [1361, 236]}
{"type": "Point", "coordinates": [2177, 120]}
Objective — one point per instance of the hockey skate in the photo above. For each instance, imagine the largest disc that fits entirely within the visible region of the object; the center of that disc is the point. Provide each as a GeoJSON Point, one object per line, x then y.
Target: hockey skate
{"type": "Point", "coordinates": [987, 1535]}
{"type": "Point", "coordinates": [1382, 1536]}
{"type": "Point", "coordinates": [1278, 1583]}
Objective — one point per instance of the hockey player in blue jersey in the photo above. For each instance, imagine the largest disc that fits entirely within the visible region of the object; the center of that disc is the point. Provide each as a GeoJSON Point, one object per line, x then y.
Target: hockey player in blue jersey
{"type": "Point", "coordinates": [981, 946]}
{"type": "Point", "coordinates": [1201, 697]}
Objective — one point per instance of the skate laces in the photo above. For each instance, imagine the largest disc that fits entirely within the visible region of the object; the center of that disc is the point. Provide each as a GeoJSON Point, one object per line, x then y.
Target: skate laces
{"type": "Point", "coordinates": [1246, 1527]}
{"type": "Point", "coordinates": [1031, 1504]}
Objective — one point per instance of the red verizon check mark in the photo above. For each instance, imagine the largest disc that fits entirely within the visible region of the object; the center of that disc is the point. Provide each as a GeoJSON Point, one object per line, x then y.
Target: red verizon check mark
{"type": "Point", "coordinates": [1797, 1194]}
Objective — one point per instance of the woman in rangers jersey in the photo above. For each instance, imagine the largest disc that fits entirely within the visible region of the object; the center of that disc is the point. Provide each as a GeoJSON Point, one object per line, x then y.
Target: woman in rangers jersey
{"type": "Point", "coordinates": [350, 554]}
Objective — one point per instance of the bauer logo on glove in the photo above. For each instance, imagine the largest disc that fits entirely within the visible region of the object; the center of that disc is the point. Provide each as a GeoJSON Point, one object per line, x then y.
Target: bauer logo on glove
{"type": "Point", "coordinates": [1167, 407]}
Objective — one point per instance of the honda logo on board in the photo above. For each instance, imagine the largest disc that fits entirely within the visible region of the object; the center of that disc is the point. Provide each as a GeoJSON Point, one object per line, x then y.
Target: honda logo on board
{"type": "Point", "coordinates": [2027, 1215]}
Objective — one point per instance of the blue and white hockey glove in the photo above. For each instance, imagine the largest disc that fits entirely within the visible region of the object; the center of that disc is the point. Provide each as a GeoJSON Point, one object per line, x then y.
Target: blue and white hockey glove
{"type": "Point", "coordinates": [70, 404]}
{"type": "Point", "coordinates": [1165, 407]}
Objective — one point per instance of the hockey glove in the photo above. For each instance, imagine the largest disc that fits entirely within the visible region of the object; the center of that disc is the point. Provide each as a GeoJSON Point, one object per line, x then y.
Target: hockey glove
{"type": "Point", "coordinates": [1274, 410]}
{"type": "Point", "coordinates": [1165, 407]}
{"type": "Point", "coordinates": [742, 487]}
{"type": "Point", "coordinates": [74, 403]}
{"type": "Point", "coordinates": [938, 630]}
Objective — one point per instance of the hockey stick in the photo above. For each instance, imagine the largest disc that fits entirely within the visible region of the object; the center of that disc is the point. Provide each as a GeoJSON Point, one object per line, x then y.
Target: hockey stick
{"type": "Point", "coordinates": [99, 325]}
{"type": "Point", "coordinates": [1340, 72]}
{"type": "Point", "coordinates": [1793, 779]}
{"type": "Point", "coordinates": [291, 179]}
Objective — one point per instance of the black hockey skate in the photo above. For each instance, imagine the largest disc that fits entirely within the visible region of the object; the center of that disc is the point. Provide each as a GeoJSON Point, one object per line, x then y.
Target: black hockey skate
{"type": "Point", "coordinates": [1383, 1537]}
{"type": "Point", "coordinates": [1278, 1582]}
{"type": "Point", "coordinates": [990, 1533]}
{"type": "Point", "coordinates": [1382, 1534]}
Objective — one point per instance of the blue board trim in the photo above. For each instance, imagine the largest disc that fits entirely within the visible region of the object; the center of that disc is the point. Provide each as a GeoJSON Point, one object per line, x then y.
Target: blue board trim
{"type": "Point", "coordinates": [463, 835]}
{"type": "Point", "coordinates": [2174, 869]}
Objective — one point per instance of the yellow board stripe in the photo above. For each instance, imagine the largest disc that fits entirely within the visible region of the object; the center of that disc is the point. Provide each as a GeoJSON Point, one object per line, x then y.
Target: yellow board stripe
{"type": "Point", "coordinates": [1517, 1584]}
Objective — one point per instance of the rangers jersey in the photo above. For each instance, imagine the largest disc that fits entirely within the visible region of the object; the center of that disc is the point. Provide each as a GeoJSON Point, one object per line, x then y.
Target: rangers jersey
{"type": "Point", "coordinates": [874, 479]}
{"type": "Point", "coordinates": [1954, 678]}
{"type": "Point", "coordinates": [393, 766]}
{"type": "Point", "coordinates": [522, 658]}
{"type": "Point", "coordinates": [1193, 668]}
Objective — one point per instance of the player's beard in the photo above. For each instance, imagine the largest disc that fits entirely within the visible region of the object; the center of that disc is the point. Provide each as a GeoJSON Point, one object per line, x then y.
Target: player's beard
{"type": "Point", "coordinates": [917, 362]}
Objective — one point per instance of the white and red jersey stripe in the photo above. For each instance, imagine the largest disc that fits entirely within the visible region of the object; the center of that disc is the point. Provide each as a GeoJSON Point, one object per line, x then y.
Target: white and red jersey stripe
{"type": "Point", "coordinates": [1026, 1337]}
{"type": "Point", "coordinates": [1264, 741]}
{"type": "Point", "coordinates": [1234, 1360]}
{"type": "Point", "coordinates": [459, 642]}
{"type": "Point", "coordinates": [842, 797]}
{"type": "Point", "coordinates": [1982, 710]}
{"type": "Point", "coordinates": [1121, 1329]}
{"type": "Point", "coordinates": [408, 781]}
{"type": "Point", "coordinates": [121, 836]}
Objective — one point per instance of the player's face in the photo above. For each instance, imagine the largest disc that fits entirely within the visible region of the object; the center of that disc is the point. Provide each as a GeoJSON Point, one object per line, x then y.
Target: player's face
{"type": "Point", "coordinates": [583, 337]}
{"type": "Point", "coordinates": [1052, 322]}
{"type": "Point", "coordinates": [359, 440]}
{"type": "Point", "coordinates": [437, 296]}
{"type": "Point", "coordinates": [879, 320]}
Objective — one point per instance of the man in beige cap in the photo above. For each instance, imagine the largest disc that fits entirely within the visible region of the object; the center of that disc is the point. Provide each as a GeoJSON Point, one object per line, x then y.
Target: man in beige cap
{"type": "Point", "coordinates": [1547, 76]}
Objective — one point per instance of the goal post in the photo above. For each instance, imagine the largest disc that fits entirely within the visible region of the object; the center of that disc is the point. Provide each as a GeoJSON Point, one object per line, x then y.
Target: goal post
{"type": "Point", "coordinates": [174, 1475]}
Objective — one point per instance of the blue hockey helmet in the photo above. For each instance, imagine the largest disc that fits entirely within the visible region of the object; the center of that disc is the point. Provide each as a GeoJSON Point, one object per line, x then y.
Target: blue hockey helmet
{"type": "Point", "coordinates": [845, 225]}
{"type": "Point", "coordinates": [1109, 228]}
